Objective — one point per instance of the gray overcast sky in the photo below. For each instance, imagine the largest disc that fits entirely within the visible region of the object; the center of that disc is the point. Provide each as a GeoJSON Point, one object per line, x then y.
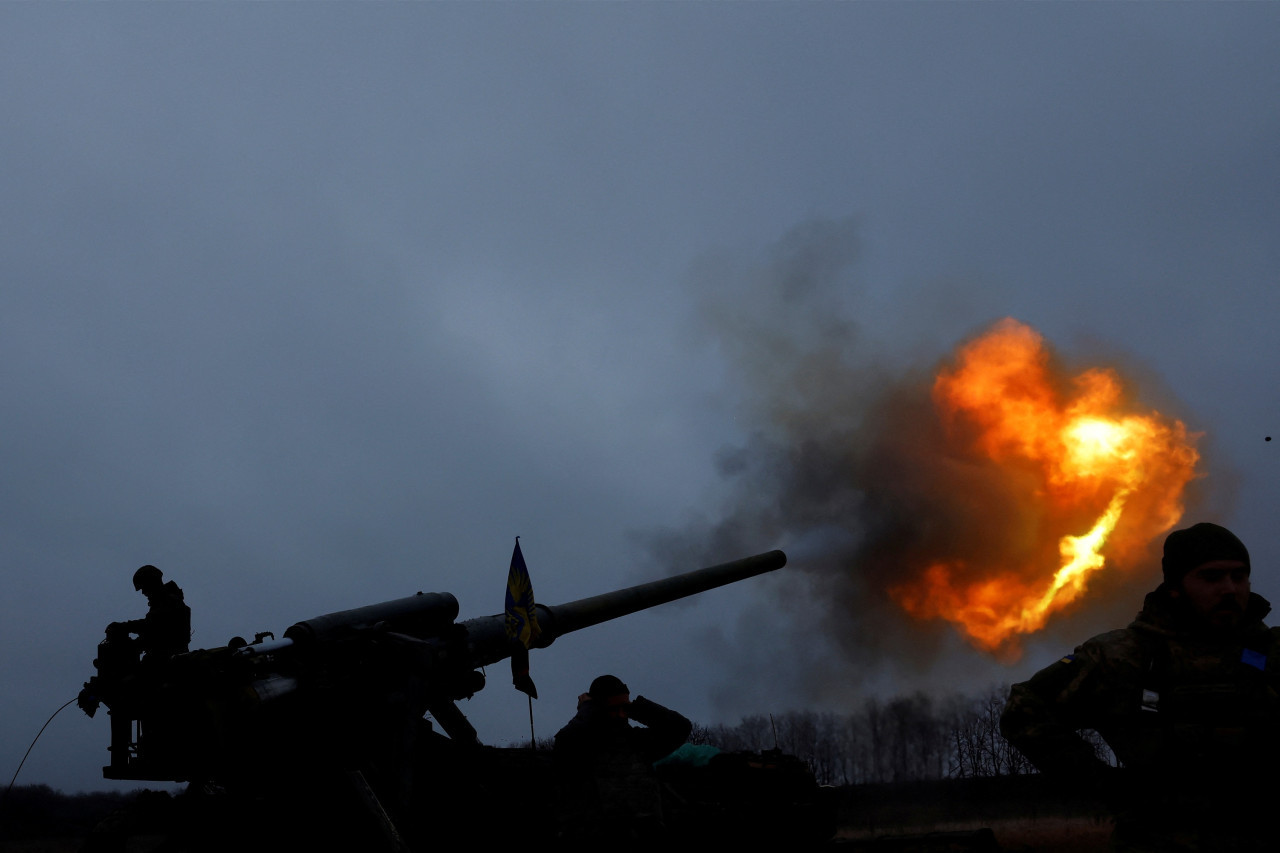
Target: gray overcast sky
{"type": "Point", "coordinates": [314, 306]}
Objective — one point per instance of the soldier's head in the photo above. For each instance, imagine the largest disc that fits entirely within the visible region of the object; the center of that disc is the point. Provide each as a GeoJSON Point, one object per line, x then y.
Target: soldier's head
{"type": "Point", "coordinates": [610, 693]}
{"type": "Point", "coordinates": [148, 580]}
{"type": "Point", "coordinates": [1206, 568]}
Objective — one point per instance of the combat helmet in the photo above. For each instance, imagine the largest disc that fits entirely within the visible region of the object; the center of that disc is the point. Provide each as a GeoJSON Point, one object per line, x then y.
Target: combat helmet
{"type": "Point", "coordinates": [147, 576]}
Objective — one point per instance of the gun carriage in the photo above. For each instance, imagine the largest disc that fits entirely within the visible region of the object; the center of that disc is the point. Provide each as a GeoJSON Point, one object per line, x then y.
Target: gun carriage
{"type": "Point", "coordinates": [334, 711]}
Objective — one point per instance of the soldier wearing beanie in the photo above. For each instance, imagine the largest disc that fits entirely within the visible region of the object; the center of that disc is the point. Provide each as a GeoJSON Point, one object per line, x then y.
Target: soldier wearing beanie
{"type": "Point", "coordinates": [602, 724]}
{"type": "Point", "coordinates": [606, 766]}
{"type": "Point", "coordinates": [1187, 697]}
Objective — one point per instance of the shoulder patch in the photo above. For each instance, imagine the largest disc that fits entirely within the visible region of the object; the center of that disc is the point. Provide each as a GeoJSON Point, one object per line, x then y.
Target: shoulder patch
{"type": "Point", "coordinates": [1257, 660]}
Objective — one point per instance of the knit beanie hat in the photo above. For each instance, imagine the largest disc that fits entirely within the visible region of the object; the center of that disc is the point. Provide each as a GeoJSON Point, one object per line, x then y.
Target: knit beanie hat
{"type": "Point", "coordinates": [1199, 544]}
{"type": "Point", "coordinates": [607, 686]}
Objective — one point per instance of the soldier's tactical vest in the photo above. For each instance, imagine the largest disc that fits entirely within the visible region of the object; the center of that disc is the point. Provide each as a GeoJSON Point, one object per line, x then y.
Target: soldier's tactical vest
{"type": "Point", "coordinates": [1206, 711]}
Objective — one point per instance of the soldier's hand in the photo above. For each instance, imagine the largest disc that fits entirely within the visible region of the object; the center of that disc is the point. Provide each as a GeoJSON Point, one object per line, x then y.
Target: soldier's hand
{"type": "Point", "coordinates": [644, 711]}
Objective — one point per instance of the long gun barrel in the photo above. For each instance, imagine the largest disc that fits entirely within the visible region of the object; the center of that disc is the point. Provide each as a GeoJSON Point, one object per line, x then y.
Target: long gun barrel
{"type": "Point", "coordinates": [586, 612]}
{"type": "Point", "coordinates": [487, 638]}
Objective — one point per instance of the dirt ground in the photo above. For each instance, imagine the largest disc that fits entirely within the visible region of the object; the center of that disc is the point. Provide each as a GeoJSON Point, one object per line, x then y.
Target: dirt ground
{"type": "Point", "coordinates": [1021, 835]}
{"type": "Point", "coordinates": [1056, 835]}
{"type": "Point", "coordinates": [1046, 835]}
{"type": "Point", "coordinates": [1016, 835]}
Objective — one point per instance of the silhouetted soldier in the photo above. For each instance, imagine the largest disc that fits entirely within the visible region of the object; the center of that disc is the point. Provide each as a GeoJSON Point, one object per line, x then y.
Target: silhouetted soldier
{"type": "Point", "coordinates": [125, 683]}
{"type": "Point", "coordinates": [1188, 699]}
{"type": "Point", "coordinates": [166, 629]}
{"type": "Point", "coordinates": [607, 764]}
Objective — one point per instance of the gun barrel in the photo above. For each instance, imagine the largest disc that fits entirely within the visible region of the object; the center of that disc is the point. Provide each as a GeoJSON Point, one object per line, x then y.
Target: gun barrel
{"type": "Point", "coordinates": [574, 616]}
{"type": "Point", "coordinates": [487, 639]}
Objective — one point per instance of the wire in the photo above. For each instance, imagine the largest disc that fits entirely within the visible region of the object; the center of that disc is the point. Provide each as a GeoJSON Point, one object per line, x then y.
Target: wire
{"type": "Point", "coordinates": [33, 743]}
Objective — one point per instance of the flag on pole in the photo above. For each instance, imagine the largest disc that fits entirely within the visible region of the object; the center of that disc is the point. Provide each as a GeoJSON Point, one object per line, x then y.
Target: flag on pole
{"type": "Point", "coordinates": [521, 622]}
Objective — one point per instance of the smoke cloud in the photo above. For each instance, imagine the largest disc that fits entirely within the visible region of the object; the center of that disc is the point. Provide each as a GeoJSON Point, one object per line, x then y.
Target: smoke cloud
{"type": "Point", "coordinates": [846, 467]}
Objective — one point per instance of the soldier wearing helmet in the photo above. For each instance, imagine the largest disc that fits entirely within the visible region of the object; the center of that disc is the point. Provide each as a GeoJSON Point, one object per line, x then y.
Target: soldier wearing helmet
{"type": "Point", "coordinates": [1187, 697]}
{"type": "Point", "coordinates": [166, 629]}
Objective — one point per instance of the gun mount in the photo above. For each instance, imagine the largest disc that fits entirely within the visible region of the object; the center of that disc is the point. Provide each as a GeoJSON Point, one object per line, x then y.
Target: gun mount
{"type": "Point", "coordinates": [344, 693]}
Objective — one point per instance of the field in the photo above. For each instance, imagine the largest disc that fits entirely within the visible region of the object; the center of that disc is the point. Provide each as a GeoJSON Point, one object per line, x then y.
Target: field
{"type": "Point", "coordinates": [1007, 814]}
{"type": "Point", "coordinates": [1021, 813]}
{"type": "Point", "coordinates": [1042, 835]}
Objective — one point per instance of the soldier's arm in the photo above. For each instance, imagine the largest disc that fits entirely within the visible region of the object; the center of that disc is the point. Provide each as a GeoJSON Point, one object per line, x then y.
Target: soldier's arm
{"type": "Point", "coordinates": [1045, 714]}
{"type": "Point", "coordinates": [665, 730]}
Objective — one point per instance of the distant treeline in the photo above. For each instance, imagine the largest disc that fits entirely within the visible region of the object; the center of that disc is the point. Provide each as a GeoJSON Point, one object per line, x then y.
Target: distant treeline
{"type": "Point", "coordinates": [38, 811]}
{"type": "Point", "coordinates": [906, 739]}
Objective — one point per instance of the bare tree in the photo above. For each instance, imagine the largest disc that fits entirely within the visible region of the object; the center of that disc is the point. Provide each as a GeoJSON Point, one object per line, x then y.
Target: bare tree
{"type": "Point", "coordinates": [906, 738]}
{"type": "Point", "coordinates": [978, 748]}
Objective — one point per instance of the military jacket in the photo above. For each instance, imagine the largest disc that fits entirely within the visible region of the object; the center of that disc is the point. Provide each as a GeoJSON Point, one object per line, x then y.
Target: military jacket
{"type": "Point", "coordinates": [166, 629]}
{"type": "Point", "coordinates": [610, 791]}
{"type": "Point", "coordinates": [1182, 709]}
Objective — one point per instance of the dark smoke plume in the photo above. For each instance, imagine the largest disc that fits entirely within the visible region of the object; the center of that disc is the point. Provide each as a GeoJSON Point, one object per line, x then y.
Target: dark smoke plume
{"type": "Point", "coordinates": [846, 469]}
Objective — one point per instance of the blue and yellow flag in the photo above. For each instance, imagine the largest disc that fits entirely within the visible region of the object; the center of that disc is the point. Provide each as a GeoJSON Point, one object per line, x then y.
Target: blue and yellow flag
{"type": "Point", "coordinates": [522, 621]}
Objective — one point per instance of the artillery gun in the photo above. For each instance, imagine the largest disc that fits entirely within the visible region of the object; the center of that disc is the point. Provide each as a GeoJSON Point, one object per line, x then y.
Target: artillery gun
{"type": "Point", "coordinates": [293, 732]}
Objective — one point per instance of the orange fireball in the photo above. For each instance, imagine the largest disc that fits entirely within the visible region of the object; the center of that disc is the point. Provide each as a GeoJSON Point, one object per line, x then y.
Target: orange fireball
{"type": "Point", "coordinates": [1107, 480]}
